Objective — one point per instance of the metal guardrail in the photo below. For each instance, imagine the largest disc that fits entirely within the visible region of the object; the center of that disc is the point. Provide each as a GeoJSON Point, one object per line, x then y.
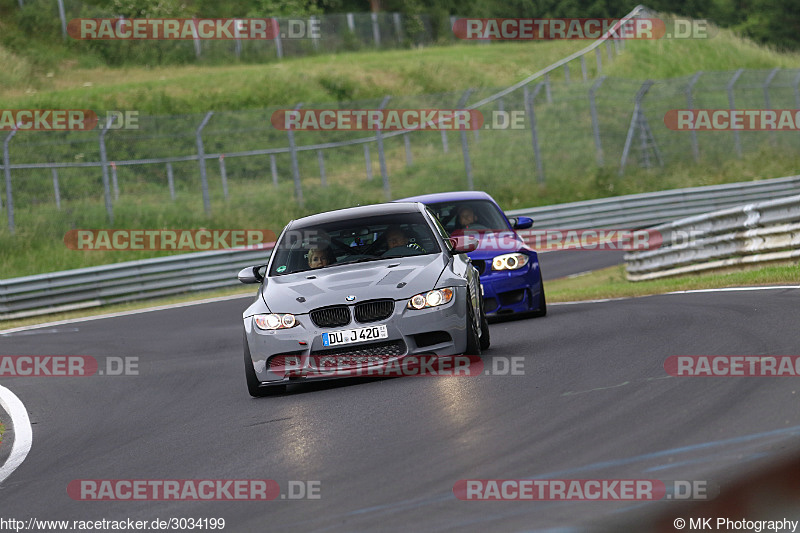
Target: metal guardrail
{"type": "Point", "coordinates": [137, 280]}
{"type": "Point", "coordinates": [753, 233]}
{"type": "Point", "coordinates": [648, 209]}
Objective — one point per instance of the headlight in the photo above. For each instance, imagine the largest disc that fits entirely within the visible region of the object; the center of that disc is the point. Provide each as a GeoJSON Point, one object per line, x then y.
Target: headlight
{"type": "Point", "coordinates": [509, 261]}
{"type": "Point", "coordinates": [274, 321]}
{"type": "Point", "coordinates": [432, 298]}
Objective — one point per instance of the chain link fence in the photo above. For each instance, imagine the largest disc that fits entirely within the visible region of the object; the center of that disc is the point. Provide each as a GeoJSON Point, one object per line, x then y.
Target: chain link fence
{"type": "Point", "coordinates": [567, 120]}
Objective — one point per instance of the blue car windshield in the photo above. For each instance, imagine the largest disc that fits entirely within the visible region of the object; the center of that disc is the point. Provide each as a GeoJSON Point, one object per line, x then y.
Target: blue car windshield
{"type": "Point", "coordinates": [470, 215]}
{"type": "Point", "coordinates": [356, 240]}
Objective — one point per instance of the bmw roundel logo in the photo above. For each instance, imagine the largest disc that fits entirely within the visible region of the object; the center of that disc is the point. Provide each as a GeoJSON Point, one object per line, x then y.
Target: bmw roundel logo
{"type": "Point", "coordinates": [350, 298]}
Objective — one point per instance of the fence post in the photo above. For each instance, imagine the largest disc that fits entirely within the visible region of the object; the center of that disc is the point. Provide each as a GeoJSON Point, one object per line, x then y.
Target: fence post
{"type": "Point", "coordinates": [276, 31]}
{"type": "Point", "coordinates": [381, 155]}
{"type": "Point", "coordinates": [223, 175]}
{"type": "Point", "coordinates": [595, 122]}
{"type": "Point", "coordinates": [63, 18]}
{"type": "Point", "coordinates": [767, 104]}
{"type": "Point", "coordinates": [201, 160]}
{"type": "Point", "coordinates": [376, 30]}
{"type": "Point", "coordinates": [56, 188]}
{"type": "Point", "coordinates": [171, 182]}
{"type": "Point", "coordinates": [407, 143]}
{"type": "Point", "coordinates": [368, 161]}
{"type": "Point", "coordinates": [732, 106]}
{"type": "Point", "coordinates": [445, 148]}
{"type": "Point", "coordinates": [464, 144]}
{"type": "Point", "coordinates": [273, 167]}
{"type": "Point", "coordinates": [584, 74]}
{"type": "Point", "coordinates": [566, 73]}
{"type": "Point", "coordinates": [196, 38]}
{"type": "Point", "coordinates": [796, 87]}
{"type": "Point", "coordinates": [398, 27]}
{"type": "Point", "coordinates": [634, 121]}
{"type": "Point", "coordinates": [534, 136]}
{"type": "Point", "coordinates": [547, 92]}
{"type": "Point", "coordinates": [298, 188]}
{"type": "Point", "coordinates": [114, 182]}
{"type": "Point", "coordinates": [314, 40]}
{"type": "Point", "coordinates": [351, 24]}
{"type": "Point", "coordinates": [322, 178]}
{"type": "Point", "coordinates": [690, 105]}
{"type": "Point", "coordinates": [104, 164]}
{"type": "Point", "coordinates": [599, 57]}
{"type": "Point", "coordinates": [609, 53]}
{"type": "Point", "coordinates": [7, 171]}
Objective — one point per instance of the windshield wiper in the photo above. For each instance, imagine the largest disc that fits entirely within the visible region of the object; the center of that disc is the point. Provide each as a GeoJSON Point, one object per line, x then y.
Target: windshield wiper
{"type": "Point", "coordinates": [362, 260]}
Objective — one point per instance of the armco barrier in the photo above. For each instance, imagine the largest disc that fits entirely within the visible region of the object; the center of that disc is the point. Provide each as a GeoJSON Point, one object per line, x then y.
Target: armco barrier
{"type": "Point", "coordinates": [753, 233]}
{"type": "Point", "coordinates": [137, 280]}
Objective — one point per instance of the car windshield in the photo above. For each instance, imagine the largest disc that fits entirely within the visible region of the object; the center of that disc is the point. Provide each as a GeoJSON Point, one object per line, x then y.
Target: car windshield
{"type": "Point", "coordinates": [357, 240]}
{"type": "Point", "coordinates": [469, 215]}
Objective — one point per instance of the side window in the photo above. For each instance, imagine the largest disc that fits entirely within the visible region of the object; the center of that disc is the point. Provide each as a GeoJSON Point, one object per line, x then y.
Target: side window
{"type": "Point", "coordinates": [443, 232]}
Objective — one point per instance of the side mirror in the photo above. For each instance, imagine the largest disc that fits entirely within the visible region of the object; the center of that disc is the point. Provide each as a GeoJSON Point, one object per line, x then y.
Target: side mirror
{"type": "Point", "coordinates": [464, 243]}
{"type": "Point", "coordinates": [251, 274]}
{"type": "Point", "coordinates": [521, 222]}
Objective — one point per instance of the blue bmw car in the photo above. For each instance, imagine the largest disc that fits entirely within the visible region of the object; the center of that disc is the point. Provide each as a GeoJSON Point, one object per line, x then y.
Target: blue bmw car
{"type": "Point", "coordinates": [510, 276]}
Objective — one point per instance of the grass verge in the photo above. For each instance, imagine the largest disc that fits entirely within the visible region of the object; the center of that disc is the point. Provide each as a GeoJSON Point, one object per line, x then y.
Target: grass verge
{"type": "Point", "coordinates": [611, 283]}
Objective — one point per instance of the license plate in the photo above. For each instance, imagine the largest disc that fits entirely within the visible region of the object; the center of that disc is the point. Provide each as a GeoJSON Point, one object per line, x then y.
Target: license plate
{"type": "Point", "coordinates": [348, 336]}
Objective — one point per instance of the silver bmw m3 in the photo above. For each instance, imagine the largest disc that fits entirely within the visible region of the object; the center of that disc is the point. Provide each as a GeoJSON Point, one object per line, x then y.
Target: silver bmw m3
{"type": "Point", "coordinates": [360, 288]}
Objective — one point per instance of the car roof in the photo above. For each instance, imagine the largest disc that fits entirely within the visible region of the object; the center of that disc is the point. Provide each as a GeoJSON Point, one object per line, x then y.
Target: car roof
{"type": "Point", "coordinates": [359, 212]}
{"type": "Point", "coordinates": [449, 197]}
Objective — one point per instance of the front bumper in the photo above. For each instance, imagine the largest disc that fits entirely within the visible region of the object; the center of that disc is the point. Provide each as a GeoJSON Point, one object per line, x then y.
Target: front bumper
{"type": "Point", "coordinates": [511, 291]}
{"type": "Point", "coordinates": [296, 355]}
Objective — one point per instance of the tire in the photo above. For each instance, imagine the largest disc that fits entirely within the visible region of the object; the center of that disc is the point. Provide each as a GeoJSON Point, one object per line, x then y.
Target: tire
{"type": "Point", "coordinates": [473, 341]}
{"type": "Point", "coordinates": [254, 386]}
{"type": "Point", "coordinates": [542, 311]}
{"type": "Point", "coordinates": [485, 340]}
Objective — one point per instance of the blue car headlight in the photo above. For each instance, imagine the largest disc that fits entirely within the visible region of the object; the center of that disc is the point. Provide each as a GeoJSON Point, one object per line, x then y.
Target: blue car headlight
{"type": "Point", "coordinates": [513, 261]}
{"type": "Point", "coordinates": [275, 321]}
{"type": "Point", "coordinates": [432, 298]}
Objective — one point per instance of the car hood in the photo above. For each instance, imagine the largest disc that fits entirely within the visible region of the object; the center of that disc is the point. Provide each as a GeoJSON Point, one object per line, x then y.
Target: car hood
{"type": "Point", "coordinates": [395, 278]}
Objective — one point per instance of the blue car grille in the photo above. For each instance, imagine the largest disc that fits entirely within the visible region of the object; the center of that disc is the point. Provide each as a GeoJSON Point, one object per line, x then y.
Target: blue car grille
{"type": "Point", "coordinates": [331, 317]}
{"type": "Point", "coordinates": [374, 310]}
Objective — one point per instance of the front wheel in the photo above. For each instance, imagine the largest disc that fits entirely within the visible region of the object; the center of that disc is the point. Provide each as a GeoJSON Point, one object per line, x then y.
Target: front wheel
{"type": "Point", "coordinates": [485, 338]}
{"type": "Point", "coordinates": [542, 311]}
{"type": "Point", "coordinates": [473, 341]}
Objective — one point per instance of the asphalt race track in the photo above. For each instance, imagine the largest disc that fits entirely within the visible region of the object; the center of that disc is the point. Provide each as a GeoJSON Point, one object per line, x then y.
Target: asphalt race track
{"type": "Point", "coordinates": [594, 403]}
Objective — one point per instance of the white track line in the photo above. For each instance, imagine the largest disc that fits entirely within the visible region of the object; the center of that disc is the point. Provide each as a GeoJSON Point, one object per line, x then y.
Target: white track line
{"type": "Point", "coordinates": [23, 433]}
{"type": "Point", "coordinates": [693, 291]}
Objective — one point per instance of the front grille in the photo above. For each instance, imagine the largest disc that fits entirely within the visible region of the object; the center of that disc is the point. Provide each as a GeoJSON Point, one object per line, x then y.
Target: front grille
{"type": "Point", "coordinates": [479, 265]}
{"type": "Point", "coordinates": [331, 317]}
{"type": "Point", "coordinates": [387, 348]}
{"type": "Point", "coordinates": [374, 310]}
